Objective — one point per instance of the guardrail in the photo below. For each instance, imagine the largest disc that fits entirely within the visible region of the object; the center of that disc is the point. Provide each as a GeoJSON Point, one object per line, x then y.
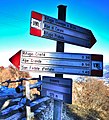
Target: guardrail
{"type": "Point", "coordinates": [17, 103]}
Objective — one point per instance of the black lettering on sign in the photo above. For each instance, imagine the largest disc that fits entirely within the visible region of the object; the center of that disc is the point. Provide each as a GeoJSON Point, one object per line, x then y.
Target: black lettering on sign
{"type": "Point", "coordinates": [48, 34]}
{"type": "Point", "coordinates": [30, 54]}
{"type": "Point", "coordinates": [40, 54]}
{"type": "Point", "coordinates": [54, 80]}
{"type": "Point", "coordinates": [35, 61]}
{"type": "Point", "coordinates": [36, 23]}
{"type": "Point", "coordinates": [82, 64]}
{"type": "Point", "coordinates": [52, 27]}
{"type": "Point", "coordinates": [86, 72]}
{"type": "Point", "coordinates": [59, 30]}
{"type": "Point", "coordinates": [24, 67]}
{"type": "Point", "coordinates": [82, 57]}
{"type": "Point", "coordinates": [59, 36]}
{"type": "Point", "coordinates": [68, 25]}
{"type": "Point", "coordinates": [25, 61]}
{"type": "Point", "coordinates": [45, 32]}
{"type": "Point", "coordinates": [87, 57]}
{"type": "Point", "coordinates": [72, 27]}
{"type": "Point", "coordinates": [56, 96]}
{"type": "Point", "coordinates": [60, 23]}
{"type": "Point", "coordinates": [46, 26]}
{"type": "Point", "coordinates": [45, 17]}
{"type": "Point", "coordinates": [86, 64]}
{"type": "Point", "coordinates": [24, 53]}
{"type": "Point", "coordinates": [47, 69]}
{"type": "Point", "coordinates": [48, 19]}
{"type": "Point", "coordinates": [34, 68]}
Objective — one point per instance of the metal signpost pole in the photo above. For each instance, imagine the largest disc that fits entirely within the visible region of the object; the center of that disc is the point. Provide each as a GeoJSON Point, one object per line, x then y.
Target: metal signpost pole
{"type": "Point", "coordinates": [58, 104]}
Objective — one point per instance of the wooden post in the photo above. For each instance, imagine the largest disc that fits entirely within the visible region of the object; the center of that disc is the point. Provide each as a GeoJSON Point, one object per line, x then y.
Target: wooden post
{"type": "Point", "coordinates": [28, 108]}
{"type": "Point", "coordinates": [58, 104]}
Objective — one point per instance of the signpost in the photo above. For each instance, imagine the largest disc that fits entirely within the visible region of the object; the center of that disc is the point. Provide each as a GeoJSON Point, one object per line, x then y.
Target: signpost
{"type": "Point", "coordinates": [59, 62]}
{"type": "Point", "coordinates": [59, 30]}
{"type": "Point", "coordinates": [57, 88]}
{"type": "Point", "coordinates": [58, 104]}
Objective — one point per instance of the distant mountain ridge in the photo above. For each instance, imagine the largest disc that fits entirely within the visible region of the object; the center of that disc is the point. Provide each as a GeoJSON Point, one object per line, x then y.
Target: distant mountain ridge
{"type": "Point", "coordinates": [106, 73]}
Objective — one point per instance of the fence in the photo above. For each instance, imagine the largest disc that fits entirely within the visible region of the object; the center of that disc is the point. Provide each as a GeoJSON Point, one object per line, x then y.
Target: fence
{"type": "Point", "coordinates": [18, 103]}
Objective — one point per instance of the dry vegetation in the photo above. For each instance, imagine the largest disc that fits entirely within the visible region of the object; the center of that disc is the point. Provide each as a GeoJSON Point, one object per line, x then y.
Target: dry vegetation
{"type": "Point", "coordinates": [91, 100]}
{"type": "Point", "coordinates": [11, 73]}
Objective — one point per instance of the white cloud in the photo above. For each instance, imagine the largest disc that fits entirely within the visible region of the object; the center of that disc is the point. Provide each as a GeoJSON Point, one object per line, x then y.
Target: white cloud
{"type": "Point", "coordinates": [4, 57]}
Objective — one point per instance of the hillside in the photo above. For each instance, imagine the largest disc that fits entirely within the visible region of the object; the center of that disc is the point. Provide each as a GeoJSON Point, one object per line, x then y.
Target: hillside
{"type": "Point", "coordinates": [90, 96]}
{"type": "Point", "coordinates": [106, 74]}
{"type": "Point", "coordinates": [11, 73]}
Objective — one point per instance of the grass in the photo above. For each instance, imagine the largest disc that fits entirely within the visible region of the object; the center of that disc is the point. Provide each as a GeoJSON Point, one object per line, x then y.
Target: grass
{"type": "Point", "coordinates": [80, 113]}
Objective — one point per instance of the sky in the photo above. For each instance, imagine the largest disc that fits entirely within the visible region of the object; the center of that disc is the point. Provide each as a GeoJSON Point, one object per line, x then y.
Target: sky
{"type": "Point", "coordinates": [15, 25]}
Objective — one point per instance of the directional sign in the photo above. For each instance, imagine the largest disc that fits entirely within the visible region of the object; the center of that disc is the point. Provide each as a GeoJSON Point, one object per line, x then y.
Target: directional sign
{"type": "Point", "coordinates": [58, 62]}
{"type": "Point", "coordinates": [57, 88]}
{"type": "Point", "coordinates": [54, 29]}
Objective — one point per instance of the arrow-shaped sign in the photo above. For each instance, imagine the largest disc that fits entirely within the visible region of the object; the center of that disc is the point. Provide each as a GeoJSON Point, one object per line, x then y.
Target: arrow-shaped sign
{"type": "Point", "coordinates": [54, 29]}
{"type": "Point", "coordinates": [58, 62]}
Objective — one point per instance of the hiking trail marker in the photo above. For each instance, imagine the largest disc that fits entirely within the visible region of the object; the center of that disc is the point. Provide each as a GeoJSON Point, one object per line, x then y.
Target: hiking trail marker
{"type": "Point", "coordinates": [58, 30]}
{"type": "Point", "coordinates": [57, 88]}
{"type": "Point", "coordinates": [59, 62]}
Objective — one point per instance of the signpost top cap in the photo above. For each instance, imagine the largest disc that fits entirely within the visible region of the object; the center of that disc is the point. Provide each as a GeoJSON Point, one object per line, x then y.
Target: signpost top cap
{"type": "Point", "coordinates": [61, 6]}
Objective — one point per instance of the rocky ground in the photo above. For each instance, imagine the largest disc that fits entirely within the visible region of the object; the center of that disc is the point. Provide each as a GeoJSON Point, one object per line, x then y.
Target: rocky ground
{"type": "Point", "coordinates": [47, 114]}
